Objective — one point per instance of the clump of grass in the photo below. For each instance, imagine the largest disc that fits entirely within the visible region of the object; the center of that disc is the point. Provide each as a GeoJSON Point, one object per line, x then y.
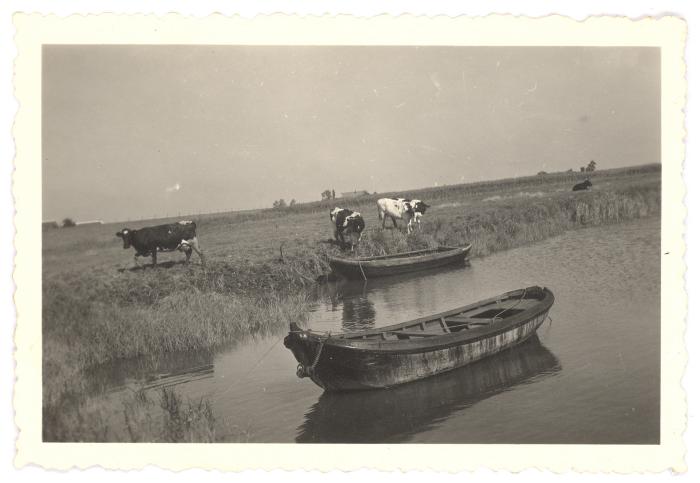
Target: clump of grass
{"type": "Point", "coordinates": [169, 419]}
{"type": "Point", "coordinates": [377, 241]}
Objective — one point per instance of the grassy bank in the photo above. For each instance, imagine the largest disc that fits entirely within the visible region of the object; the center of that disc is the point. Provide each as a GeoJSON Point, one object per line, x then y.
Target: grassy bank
{"type": "Point", "coordinates": [97, 311]}
{"type": "Point", "coordinates": [518, 222]}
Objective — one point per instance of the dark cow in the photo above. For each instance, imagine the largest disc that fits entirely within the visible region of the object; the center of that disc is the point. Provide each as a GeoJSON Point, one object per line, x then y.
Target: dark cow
{"type": "Point", "coordinates": [586, 185]}
{"type": "Point", "coordinates": [347, 223]}
{"type": "Point", "coordinates": [181, 236]}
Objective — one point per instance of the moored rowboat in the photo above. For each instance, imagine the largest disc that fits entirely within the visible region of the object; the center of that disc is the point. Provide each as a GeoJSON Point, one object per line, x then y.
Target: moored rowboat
{"type": "Point", "coordinates": [380, 266]}
{"type": "Point", "coordinates": [400, 353]}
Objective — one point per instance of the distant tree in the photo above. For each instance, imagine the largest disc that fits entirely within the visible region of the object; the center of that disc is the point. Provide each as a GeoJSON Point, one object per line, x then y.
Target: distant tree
{"type": "Point", "coordinates": [326, 195]}
{"type": "Point", "coordinates": [569, 170]}
{"type": "Point", "coordinates": [292, 203]}
{"type": "Point", "coordinates": [333, 193]}
{"type": "Point", "coordinates": [68, 223]}
{"type": "Point", "coordinates": [279, 204]}
{"type": "Point", "coordinates": [591, 166]}
{"type": "Point", "coordinates": [583, 169]}
{"type": "Point", "coordinates": [541, 173]}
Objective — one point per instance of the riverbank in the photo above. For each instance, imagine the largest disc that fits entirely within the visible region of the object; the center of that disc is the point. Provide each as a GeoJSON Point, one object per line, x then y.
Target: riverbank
{"type": "Point", "coordinates": [257, 273]}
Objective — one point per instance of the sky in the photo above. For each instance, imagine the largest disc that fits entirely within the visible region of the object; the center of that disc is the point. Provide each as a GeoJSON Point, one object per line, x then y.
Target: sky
{"type": "Point", "coordinates": [133, 131]}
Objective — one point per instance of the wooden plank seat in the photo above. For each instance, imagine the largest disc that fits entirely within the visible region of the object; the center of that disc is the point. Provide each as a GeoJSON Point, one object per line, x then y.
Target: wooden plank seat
{"type": "Point", "coordinates": [410, 333]}
{"type": "Point", "coordinates": [463, 321]}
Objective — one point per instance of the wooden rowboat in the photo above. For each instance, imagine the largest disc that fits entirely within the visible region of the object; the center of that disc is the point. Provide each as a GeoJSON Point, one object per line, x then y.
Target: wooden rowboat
{"type": "Point", "coordinates": [370, 267]}
{"type": "Point", "coordinates": [396, 354]}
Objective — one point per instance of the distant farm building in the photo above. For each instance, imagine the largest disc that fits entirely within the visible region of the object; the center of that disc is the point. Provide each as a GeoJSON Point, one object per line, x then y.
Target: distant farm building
{"type": "Point", "coordinates": [354, 194]}
{"type": "Point", "coordinates": [89, 223]}
{"type": "Point", "coordinates": [48, 225]}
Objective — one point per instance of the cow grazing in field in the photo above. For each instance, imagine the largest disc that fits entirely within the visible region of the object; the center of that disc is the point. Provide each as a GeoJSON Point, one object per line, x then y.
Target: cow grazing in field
{"type": "Point", "coordinates": [410, 211]}
{"type": "Point", "coordinates": [181, 236]}
{"type": "Point", "coordinates": [586, 185]}
{"type": "Point", "coordinates": [347, 223]}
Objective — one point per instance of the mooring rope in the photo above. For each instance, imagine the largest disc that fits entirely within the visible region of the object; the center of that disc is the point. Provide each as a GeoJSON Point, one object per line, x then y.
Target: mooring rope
{"type": "Point", "coordinates": [318, 355]}
{"type": "Point", "coordinates": [247, 373]}
{"type": "Point", "coordinates": [510, 308]}
{"type": "Point", "coordinates": [302, 370]}
{"type": "Point", "coordinates": [359, 263]}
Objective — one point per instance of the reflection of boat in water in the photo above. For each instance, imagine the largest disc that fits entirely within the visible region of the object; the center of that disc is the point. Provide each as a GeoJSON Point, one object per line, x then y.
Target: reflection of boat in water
{"type": "Point", "coordinates": [393, 415]}
{"type": "Point", "coordinates": [358, 312]}
{"type": "Point", "coordinates": [355, 299]}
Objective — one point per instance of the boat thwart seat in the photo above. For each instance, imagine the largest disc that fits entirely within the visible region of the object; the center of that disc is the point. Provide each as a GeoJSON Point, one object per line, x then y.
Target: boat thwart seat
{"type": "Point", "coordinates": [412, 333]}
{"type": "Point", "coordinates": [457, 322]}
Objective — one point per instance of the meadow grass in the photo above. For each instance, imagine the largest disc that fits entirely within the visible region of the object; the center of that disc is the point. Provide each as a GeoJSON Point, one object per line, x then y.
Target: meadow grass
{"type": "Point", "coordinates": [97, 311]}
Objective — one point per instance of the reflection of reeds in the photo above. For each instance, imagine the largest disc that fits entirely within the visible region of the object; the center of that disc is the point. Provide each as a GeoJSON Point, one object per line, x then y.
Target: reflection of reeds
{"type": "Point", "coordinates": [169, 419]}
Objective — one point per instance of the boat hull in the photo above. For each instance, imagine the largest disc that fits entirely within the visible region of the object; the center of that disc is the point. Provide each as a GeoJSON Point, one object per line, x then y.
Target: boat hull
{"type": "Point", "coordinates": [387, 266]}
{"type": "Point", "coordinates": [342, 368]}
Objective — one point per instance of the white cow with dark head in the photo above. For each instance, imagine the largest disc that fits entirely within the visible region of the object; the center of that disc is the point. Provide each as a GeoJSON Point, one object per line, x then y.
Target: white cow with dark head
{"type": "Point", "coordinates": [410, 211]}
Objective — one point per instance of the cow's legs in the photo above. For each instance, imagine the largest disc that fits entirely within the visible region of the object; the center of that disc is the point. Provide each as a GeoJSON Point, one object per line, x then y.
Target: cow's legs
{"type": "Point", "coordinates": [136, 260]}
{"type": "Point", "coordinates": [195, 246]}
{"type": "Point", "coordinates": [154, 257]}
{"type": "Point", "coordinates": [188, 254]}
{"type": "Point", "coordinates": [394, 220]}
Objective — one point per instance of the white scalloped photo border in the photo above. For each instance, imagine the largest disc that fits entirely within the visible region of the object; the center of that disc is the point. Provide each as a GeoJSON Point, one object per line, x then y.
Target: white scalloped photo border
{"type": "Point", "coordinates": [33, 31]}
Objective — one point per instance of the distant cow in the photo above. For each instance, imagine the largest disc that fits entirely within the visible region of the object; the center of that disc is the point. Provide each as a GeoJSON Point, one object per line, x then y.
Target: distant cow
{"type": "Point", "coordinates": [347, 223]}
{"type": "Point", "coordinates": [410, 211]}
{"type": "Point", "coordinates": [583, 186]}
{"type": "Point", "coordinates": [181, 236]}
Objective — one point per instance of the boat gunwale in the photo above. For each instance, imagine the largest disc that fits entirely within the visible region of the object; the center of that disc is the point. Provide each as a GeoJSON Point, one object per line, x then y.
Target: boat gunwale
{"type": "Point", "coordinates": [410, 257]}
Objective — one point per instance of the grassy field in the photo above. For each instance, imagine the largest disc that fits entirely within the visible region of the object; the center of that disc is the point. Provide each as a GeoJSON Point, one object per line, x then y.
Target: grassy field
{"type": "Point", "coordinates": [96, 310]}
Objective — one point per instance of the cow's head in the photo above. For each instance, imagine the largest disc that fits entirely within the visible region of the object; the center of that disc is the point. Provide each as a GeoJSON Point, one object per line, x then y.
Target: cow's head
{"type": "Point", "coordinates": [588, 183]}
{"type": "Point", "coordinates": [354, 226]}
{"type": "Point", "coordinates": [334, 212]}
{"type": "Point", "coordinates": [125, 235]}
{"type": "Point", "coordinates": [419, 206]}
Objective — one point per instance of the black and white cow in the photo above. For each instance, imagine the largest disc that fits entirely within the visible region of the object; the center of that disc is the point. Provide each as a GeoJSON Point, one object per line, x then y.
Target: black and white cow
{"type": "Point", "coordinates": [347, 223]}
{"type": "Point", "coordinates": [410, 211]}
{"type": "Point", "coordinates": [181, 236]}
{"type": "Point", "coordinates": [586, 185]}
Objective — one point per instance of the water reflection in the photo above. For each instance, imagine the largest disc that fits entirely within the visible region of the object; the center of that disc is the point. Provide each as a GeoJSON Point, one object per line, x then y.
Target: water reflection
{"type": "Point", "coordinates": [354, 298]}
{"type": "Point", "coordinates": [167, 370]}
{"type": "Point", "coordinates": [394, 415]}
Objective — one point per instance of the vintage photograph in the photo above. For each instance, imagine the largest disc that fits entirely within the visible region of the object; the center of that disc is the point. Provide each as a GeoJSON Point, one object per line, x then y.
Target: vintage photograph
{"type": "Point", "coordinates": [391, 244]}
{"type": "Point", "coordinates": [438, 237]}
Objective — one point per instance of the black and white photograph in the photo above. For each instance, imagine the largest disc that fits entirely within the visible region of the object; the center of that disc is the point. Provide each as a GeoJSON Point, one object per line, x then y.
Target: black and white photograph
{"type": "Point", "coordinates": [365, 244]}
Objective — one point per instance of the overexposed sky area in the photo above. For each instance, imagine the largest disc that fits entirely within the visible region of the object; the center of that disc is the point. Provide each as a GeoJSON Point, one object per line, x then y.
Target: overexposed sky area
{"type": "Point", "coordinates": [136, 131]}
